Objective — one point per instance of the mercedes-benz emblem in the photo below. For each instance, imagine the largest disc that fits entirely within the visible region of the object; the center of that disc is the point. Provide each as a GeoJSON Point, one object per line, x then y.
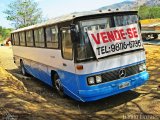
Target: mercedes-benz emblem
{"type": "Point", "coordinates": [122, 73]}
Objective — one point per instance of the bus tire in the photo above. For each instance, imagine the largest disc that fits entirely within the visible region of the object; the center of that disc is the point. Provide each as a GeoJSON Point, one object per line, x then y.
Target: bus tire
{"type": "Point", "coordinates": [58, 85]}
{"type": "Point", "coordinates": [23, 70]}
{"type": "Point", "coordinates": [155, 36]}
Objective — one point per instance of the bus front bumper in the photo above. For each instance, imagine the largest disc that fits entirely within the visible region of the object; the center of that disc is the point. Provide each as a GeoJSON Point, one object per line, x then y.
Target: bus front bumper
{"type": "Point", "coordinates": [112, 88]}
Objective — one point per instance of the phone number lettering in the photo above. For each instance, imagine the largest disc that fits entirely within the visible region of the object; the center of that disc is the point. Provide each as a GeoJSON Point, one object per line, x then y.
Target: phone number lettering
{"type": "Point", "coordinates": [117, 47]}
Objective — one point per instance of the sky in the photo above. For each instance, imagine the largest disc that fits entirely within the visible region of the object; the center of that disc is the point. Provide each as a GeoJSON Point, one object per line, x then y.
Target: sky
{"type": "Point", "coordinates": [55, 8]}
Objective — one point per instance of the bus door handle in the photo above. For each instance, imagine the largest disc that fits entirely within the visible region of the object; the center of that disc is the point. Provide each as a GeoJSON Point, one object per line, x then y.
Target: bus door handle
{"type": "Point", "coordinates": [64, 64]}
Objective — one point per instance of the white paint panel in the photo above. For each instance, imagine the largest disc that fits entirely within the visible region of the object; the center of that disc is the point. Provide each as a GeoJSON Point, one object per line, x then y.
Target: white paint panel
{"type": "Point", "coordinates": [49, 57]}
{"type": "Point", "coordinates": [112, 62]}
{"type": "Point", "coordinates": [52, 58]}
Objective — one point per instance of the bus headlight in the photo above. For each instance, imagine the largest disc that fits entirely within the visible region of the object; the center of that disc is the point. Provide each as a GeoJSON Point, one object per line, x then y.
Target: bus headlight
{"type": "Point", "coordinates": [142, 67]}
{"type": "Point", "coordinates": [98, 79]}
{"type": "Point", "coordinates": [91, 80]}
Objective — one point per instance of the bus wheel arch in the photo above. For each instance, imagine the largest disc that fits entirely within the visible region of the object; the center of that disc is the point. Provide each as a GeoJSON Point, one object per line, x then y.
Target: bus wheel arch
{"type": "Point", "coordinates": [57, 83]}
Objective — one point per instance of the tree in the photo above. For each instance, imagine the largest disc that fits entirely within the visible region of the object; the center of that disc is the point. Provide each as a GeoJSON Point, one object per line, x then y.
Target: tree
{"type": "Point", "coordinates": [154, 12]}
{"type": "Point", "coordinates": [23, 13]}
{"type": "Point", "coordinates": [149, 12]}
{"type": "Point", "coordinates": [4, 33]}
{"type": "Point", "coordinates": [143, 12]}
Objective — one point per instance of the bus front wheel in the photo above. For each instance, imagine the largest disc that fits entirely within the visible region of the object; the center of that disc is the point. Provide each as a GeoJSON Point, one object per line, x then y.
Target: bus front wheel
{"type": "Point", "coordinates": [58, 85]}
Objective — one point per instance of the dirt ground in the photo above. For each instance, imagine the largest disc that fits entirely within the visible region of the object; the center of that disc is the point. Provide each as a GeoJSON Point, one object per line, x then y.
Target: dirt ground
{"type": "Point", "coordinates": [29, 99]}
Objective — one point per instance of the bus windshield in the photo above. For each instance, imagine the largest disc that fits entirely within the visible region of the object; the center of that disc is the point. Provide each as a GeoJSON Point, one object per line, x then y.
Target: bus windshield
{"type": "Point", "coordinates": [84, 48]}
{"type": "Point", "coordinates": [124, 20]}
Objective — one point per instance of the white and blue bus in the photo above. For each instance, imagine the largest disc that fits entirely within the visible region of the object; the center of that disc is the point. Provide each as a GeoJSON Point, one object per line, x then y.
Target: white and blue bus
{"type": "Point", "coordinates": [87, 56]}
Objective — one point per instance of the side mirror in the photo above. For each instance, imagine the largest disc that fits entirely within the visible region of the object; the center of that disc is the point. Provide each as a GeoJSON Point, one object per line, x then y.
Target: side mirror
{"type": "Point", "coordinates": [74, 28]}
{"type": "Point", "coordinates": [74, 32]}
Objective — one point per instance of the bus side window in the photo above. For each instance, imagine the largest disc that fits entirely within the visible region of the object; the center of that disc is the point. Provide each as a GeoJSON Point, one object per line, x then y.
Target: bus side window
{"type": "Point", "coordinates": [52, 37]}
{"type": "Point", "coordinates": [22, 38]}
{"type": "Point", "coordinates": [16, 38]}
{"type": "Point", "coordinates": [54, 31]}
{"type": "Point", "coordinates": [39, 37]}
{"type": "Point", "coordinates": [13, 39]}
{"type": "Point", "coordinates": [48, 37]}
{"type": "Point", "coordinates": [29, 38]}
{"type": "Point", "coordinates": [67, 44]}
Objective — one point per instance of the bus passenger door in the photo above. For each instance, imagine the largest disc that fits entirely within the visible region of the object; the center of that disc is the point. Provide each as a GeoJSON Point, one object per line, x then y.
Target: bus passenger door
{"type": "Point", "coordinates": [68, 76]}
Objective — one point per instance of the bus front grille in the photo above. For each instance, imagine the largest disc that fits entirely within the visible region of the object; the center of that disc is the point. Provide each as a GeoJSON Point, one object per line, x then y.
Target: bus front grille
{"type": "Point", "coordinates": [115, 74]}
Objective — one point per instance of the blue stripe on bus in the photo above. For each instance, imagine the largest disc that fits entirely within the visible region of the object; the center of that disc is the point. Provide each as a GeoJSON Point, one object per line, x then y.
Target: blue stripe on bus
{"type": "Point", "coordinates": [76, 86]}
{"type": "Point", "coordinates": [39, 74]}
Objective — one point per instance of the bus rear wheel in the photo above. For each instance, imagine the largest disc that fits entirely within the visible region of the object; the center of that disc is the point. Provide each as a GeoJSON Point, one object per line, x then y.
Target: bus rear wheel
{"type": "Point", "coordinates": [58, 86]}
{"type": "Point", "coordinates": [23, 70]}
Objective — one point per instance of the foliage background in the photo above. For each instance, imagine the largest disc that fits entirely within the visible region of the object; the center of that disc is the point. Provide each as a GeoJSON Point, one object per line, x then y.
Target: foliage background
{"type": "Point", "coordinates": [4, 33]}
{"type": "Point", "coordinates": [23, 13]}
{"type": "Point", "coordinates": [149, 12]}
{"type": "Point", "coordinates": [20, 13]}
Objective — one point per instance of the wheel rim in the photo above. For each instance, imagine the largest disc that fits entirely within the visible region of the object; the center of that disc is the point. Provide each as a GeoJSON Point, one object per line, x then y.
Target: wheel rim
{"type": "Point", "coordinates": [23, 70]}
{"type": "Point", "coordinates": [58, 85]}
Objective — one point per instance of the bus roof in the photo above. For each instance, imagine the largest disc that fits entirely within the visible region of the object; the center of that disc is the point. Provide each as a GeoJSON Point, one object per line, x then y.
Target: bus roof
{"type": "Point", "coordinates": [68, 17]}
